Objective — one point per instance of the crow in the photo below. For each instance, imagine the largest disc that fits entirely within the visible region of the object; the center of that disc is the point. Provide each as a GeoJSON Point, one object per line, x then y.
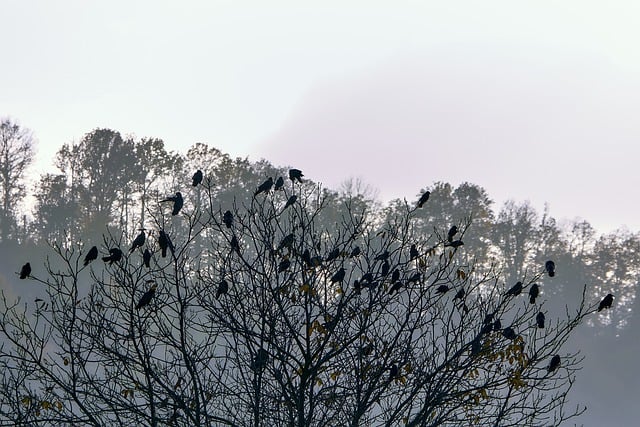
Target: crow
{"type": "Point", "coordinates": [606, 302]}
{"type": "Point", "coordinates": [515, 289]}
{"type": "Point", "coordinates": [509, 333]}
{"type": "Point", "coordinates": [91, 255]}
{"type": "Point", "coordinates": [335, 253]}
{"type": "Point", "coordinates": [164, 242]}
{"type": "Point", "coordinates": [534, 290]}
{"type": "Point", "coordinates": [286, 242]}
{"type": "Point", "coordinates": [279, 184]}
{"type": "Point", "coordinates": [177, 200]}
{"type": "Point", "coordinates": [138, 241]}
{"type": "Point", "coordinates": [394, 371]}
{"type": "Point", "coordinates": [284, 264]}
{"type": "Point", "coordinates": [116, 255]}
{"type": "Point", "coordinates": [227, 219]}
{"type": "Point", "coordinates": [146, 258]}
{"type": "Point", "coordinates": [25, 271]}
{"type": "Point", "coordinates": [540, 320]}
{"type": "Point", "coordinates": [423, 199]}
{"type": "Point", "coordinates": [395, 275]}
{"type": "Point", "coordinates": [384, 269]}
{"type": "Point", "coordinates": [355, 252]}
{"type": "Point", "coordinates": [223, 288]}
{"type": "Point", "coordinates": [396, 287]}
{"type": "Point", "coordinates": [197, 178]}
{"type": "Point", "coordinates": [550, 266]}
{"type": "Point", "coordinates": [459, 294]}
{"type": "Point", "coordinates": [413, 252]}
{"type": "Point", "coordinates": [455, 244]}
{"type": "Point", "coordinates": [295, 174]}
{"type": "Point", "coordinates": [383, 256]}
{"type": "Point", "coordinates": [442, 289]}
{"type": "Point", "coordinates": [497, 325]}
{"type": "Point", "coordinates": [338, 276]}
{"type": "Point", "coordinates": [290, 201]}
{"type": "Point", "coordinates": [265, 187]}
{"type": "Point", "coordinates": [146, 298]}
{"type": "Point", "coordinates": [235, 245]}
{"type": "Point", "coordinates": [452, 232]}
{"type": "Point", "coordinates": [415, 278]}
{"type": "Point", "coordinates": [554, 364]}
{"type": "Point", "coordinates": [260, 360]}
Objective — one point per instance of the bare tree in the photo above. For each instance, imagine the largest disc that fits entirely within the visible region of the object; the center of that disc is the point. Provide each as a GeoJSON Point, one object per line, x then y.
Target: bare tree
{"type": "Point", "coordinates": [292, 317]}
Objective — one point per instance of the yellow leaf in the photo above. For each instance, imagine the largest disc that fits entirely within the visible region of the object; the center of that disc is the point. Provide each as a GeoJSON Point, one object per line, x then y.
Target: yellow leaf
{"type": "Point", "coordinates": [45, 404]}
{"type": "Point", "coordinates": [59, 405]}
{"type": "Point", "coordinates": [65, 361]}
{"type": "Point", "coordinates": [319, 382]}
{"type": "Point", "coordinates": [405, 420]}
{"type": "Point", "coordinates": [25, 400]}
{"type": "Point", "coordinates": [334, 376]}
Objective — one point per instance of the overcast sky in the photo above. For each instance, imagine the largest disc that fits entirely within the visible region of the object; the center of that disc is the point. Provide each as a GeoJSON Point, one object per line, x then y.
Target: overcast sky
{"type": "Point", "coordinates": [532, 100]}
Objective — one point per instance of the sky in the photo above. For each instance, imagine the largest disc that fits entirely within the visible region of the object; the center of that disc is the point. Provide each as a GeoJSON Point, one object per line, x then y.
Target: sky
{"type": "Point", "coordinates": [533, 100]}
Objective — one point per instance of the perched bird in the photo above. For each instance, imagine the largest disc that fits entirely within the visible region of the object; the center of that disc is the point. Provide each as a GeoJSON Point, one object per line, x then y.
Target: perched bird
{"type": "Point", "coordinates": [116, 255]}
{"type": "Point", "coordinates": [423, 199]}
{"type": "Point", "coordinates": [415, 277]}
{"type": "Point", "coordinates": [146, 298]}
{"type": "Point", "coordinates": [286, 242]}
{"type": "Point", "coordinates": [295, 174]}
{"type": "Point", "coordinates": [260, 360]}
{"type": "Point", "coordinates": [395, 276]}
{"type": "Point", "coordinates": [197, 178]}
{"type": "Point", "coordinates": [146, 258]}
{"type": "Point", "coordinates": [509, 333]}
{"type": "Point", "coordinates": [383, 256]}
{"type": "Point", "coordinates": [279, 184]}
{"type": "Point", "coordinates": [455, 244]}
{"type": "Point", "coordinates": [235, 245]}
{"type": "Point", "coordinates": [534, 290]}
{"type": "Point", "coordinates": [452, 232]}
{"type": "Point", "coordinates": [515, 289]}
{"type": "Point", "coordinates": [25, 271]}
{"type": "Point", "coordinates": [223, 288]}
{"type": "Point", "coordinates": [394, 371]}
{"type": "Point", "coordinates": [335, 253]}
{"type": "Point", "coordinates": [306, 257]}
{"type": "Point", "coordinates": [355, 252]}
{"type": "Point", "coordinates": [227, 219]}
{"type": "Point", "coordinates": [550, 266]}
{"type": "Point", "coordinates": [540, 320]}
{"type": "Point", "coordinates": [497, 325]}
{"type": "Point", "coordinates": [91, 255]}
{"type": "Point", "coordinates": [384, 269]}
{"type": "Point", "coordinates": [459, 294]}
{"type": "Point", "coordinates": [284, 265]}
{"type": "Point", "coordinates": [605, 303]}
{"type": "Point", "coordinates": [290, 201]}
{"type": "Point", "coordinates": [138, 241]}
{"type": "Point", "coordinates": [265, 187]}
{"type": "Point", "coordinates": [554, 364]}
{"type": "Point", "coordinates": [442, 289]}
{"type": "Point", "coordinates": [177, 202]}
{"type": "Point", "coordinates": [338, 276]}
{"type": "Point", "coordinates": [413, 252]}
{"type": "Point", "coordinates": [164, 242]}
{"type": "Point", "coordinates": [396, 287]}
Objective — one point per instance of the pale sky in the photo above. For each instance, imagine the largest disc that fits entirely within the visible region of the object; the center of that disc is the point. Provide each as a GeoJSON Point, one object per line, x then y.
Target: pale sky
{"type": "Point", "coordinates": [533, 100]}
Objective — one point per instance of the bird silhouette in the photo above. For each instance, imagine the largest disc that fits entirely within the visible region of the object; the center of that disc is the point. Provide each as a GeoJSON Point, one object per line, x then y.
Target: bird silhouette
{"type": "Point", "coordinates": [396, 286]}
{"type": "Point", "coordinates": [384, 269]}
{"type": "Point", "coordinates": [164, 242]}
{"type": "Point", "coordinates": [279, 184]}
{"type": "Point", "coordinates": [515, 289]}
{"type": "Point", "coordinates": [415, 277]}
{"type": "Point", "coordinates": [395, 276]}
{"type": "Point", "coordinates": [290, 201]}
{"type": "Point", "coordinates": [459, 294]}
{"type": "Point", "coordinates": [509, 333]}
{"type": "Point", "coordinates": [443, 289]}
{"type": "Point", "coordinates": [413, 252]}
{"type": "Point", "coordinates": [554, 364]}
{"type": "Point", "coordinates": [260, 360]}
{"type": "Point", "coordinates": [383, 256]}
{"type": "Point", "coordinates": [223, 288]}
{"type": "Point", "coordinates": [265, 187]}
{"type": "Point", "coordinates": [540, 320]}
{"type": "Point", "coordinates": [146, 298]}
{"type": "Point", "coordinates": [355, 252]}
{"type": "Point", "coordinates": [295, 174]}
{"type": "Point", "coordinates": [227, 219]}
{"type": "Point", "coordinates": [138, 241]}
{"type": "Point", "coordinates": [116, 255]}
{"type": "Point", "coordinates": [550, 266]}
{"type": "Point", "coordinates": [534, 290]}
{"type": "Point", "coordinates": [338, 276]}
{"type": "Point", "coordinates": [177, 202]}
{"type": "Point", "coordinates": [25, 271]}
{"type": "Point", "coordinates": [606, 302]}
{"type": "Point", "coordinates": [287, 242]}
{"type": "Point", "coordinates": [455, 244]}
{"type": "Point", "coordinates": [284, 265]}
{"type": "Point", "coordinates": [235, 245]}
{"type": "Point", "coordinates": [146, 258]}
{"type": "Point", "coordinates": [497, 325]}
{"type": "Point", "coordinates": [452, 232]}
{"type": "Point", "coordinates": [334, 254]}
{"type": "Point", "coordinates": [197, 178]}
{"type": "Point", "coordinates": [91, 255]}
{"type": "Point", "coordinates": [394, 371]}
{"type": "Point", "coordinates": [423, 199]}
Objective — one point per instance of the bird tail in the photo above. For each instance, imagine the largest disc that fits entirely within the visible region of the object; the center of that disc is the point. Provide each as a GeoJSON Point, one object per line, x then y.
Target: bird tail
{"type": "Point", "coordinates": [106, 258]}
{"type": "Point", "coordinates": [532, 300]}
{"type": "Point", "coordinates": [86, 262]}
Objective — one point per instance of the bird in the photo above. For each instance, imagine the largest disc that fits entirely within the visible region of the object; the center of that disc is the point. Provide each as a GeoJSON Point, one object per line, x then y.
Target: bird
{"type": "Point", "coordinates": [290, 201]}
{"type": "Point", "coordinates": [455, 244]}
{"type": "Point", "coordinates": [223, 288]}
{"type": "Point", "coordinates": [197, 178]}
{"type": "Point", "coordinates": [146, 258]}
{"type": "Point", "coordinates": [396, 287]}
{"type": "Point", "coordinates": [260, 360]}
{"type": "Point", "coordinates": [279, 184]}
{"type": "Point", "coordinates": [91, 255]}
{"type": "Point", "coordinates": [384, 269]}
{"type": "Point", "coordinates": [413, 252]}
{"type": "Point", "coordinates": [423, 199]}
{"type": "Point", "coordinates": [509, 333]}
{"type": "Point", "coordinates": [164, 242]}
{"type": "Point", "coordinates": [497, 325]}
{"type": "Point", "coordinates": [338, 276]}
{"type": "Point", "coordinates": [227, 219]}
{"type": "Point", "coordinates": [138, 241]}
{"type": "Point", "coordinates": [265, 187]}
{"type": "Point", "coordinates": [116, 255]}
{"type": "Point", "coordinates": [286, 242]}
{"type": "Point", "coordinates": [295, 174]}
{"type": "Point", "coordinates": [515, 289]}
{"type": "Point", "coordinates": [540, 320]}
{"type": "Point", "coordinates": [534, 290]}
{"type": "Point", "coordinates": [355, 252]}
{"type": "Point", "coordinates": [25, 271]}
{"type": "Point", "coordinates": [442, 289]}
{"type": "Point", "coordinates": [550, 266]}
{"type": "Point", "coordinates": [554, 364]}
{"type": "Point", "coordinates": [146, 298]}
{"type": "Point", "coordinates": [452, 232]}
{"type": "Point", "coordinates": [394, 371]}
{"type": "Point", "coordinates": [383, 256]}
{"type": "Point", "coordinates": [415, 277]}
{"type": "Point", "coordinates": [235, 245]}
{"type": "Point", "coordinates": [606, 302]}
{"type": "Point", "coordinates": [284, 265]}
{"type": "Point", "coordinates": [335, 253]}
{"type": "Point", "coordinates": [177, 202]}
{"type": "Point", "coordinates": [459, 294]}
{"type": "Point", "coordinates": [395, 275]}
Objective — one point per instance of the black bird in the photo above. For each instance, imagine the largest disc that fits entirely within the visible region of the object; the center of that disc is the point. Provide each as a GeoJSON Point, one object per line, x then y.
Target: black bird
{"type": "Point", "coordinates": [515, 289]}
{"type": "Point", "coordinates": [396, 287]}
{"type": "Point", "coordinates": [227, 219]}
{"type": "Point", "coordinates": [284, 265]}
{"type": "Point", "coordinates": [235, 245]}
{"type": "Point", "coordinates": [452, 232]}
{"type": "Point", "coordinates": [146, 298]}
{"type": "Point", "coordinates": [509, 333]}
{"type": "Point", "coordinates": [384, 269]}
{"type": "Point", "coordinates": [459, 294]}
{"type": "Point", "coordinates": [91, 255]}
{"type": "Point", "coordinates": [540, 320]}
{"type": "Point", "coordinates": [146, 258]}
{"type": "Point", "coordinates": [488, 319]}
{"type": "Point", "coordinates": [606, 302]}
{"type": "Point", "coordinates": [164, 242]}
{"type": "Point", "coordinates": [534, 290]}
{"type": "Point", "coordinates": [497, 325]}
{"type": "Point", "coordinates": [290, 201]}
{"type": "Point", "coordinates": [25, 271]}
{"type": "Point", "coordinates": [260, 360]}
{"type": "Point", "coordinates": [394, 371]}
{"type": "Point", "coordinates": [265, 187]}
{"type": "Point", "coordinates": [554, 364]}
{"type": "Point", "coordinates": [443, 289]}
{"type": "Point", "coordinates": [295, 174]}
{"type": "Point", "coordinates": [423, 199]}
{"type": "Point", "coordinates": [197, 178]}
{"type": "Point", "coordinates": [279, 184]}
{"type": "Point", "coordinates": [338, 276]}
{"type": "Point", "coordinates": [223, 288]}
{"type": "Point", "coordinates": [306, 257]}
{"type": "Point", "coordinates": [138, 241]}
{"type": "Point", "coordinates": [335, 253]}
{"type": "Point", "coordinates": [286, 242]}
{"type": "Point", "coordinates": [415, 278]}
{"type": "Point", "coordinates": [395, 275]}
{"type": "Point", "coordinates": [355, 252]}
{"type": "Point", "coordinates": [116, 255]}
{"type": "Point", "coordinates": [413, 252]}
{"type": "Point", "coordinates": [455, 244]}
{"type": "Point", "coordinates": [550, 266]}
{"type": "Point", "coordinates": [384, 255]}
{"type": "Point", "coordinates": [177, 202]}
{"type": "Point", "coordinates": [366, 279]}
